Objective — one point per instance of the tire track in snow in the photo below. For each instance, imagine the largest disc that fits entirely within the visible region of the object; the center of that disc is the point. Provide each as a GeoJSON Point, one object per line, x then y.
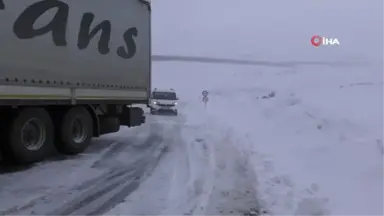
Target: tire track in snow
{"type": "Point", "coordinates": [191, 180]}
{"type": "Point", "coordinates": [105, 190]}
{"type": "Point", "coordinates": [160, 187]}
{"type": "Point", "coordinates": [108, 193]}
{"type": "Point", "coordinates": [107, 155]}
{"type": "Point", "coordinates": [233, 192]}
{"type": "Point", "coordinates": [97, 145]}
{"type": "Point", "coordinates": [112, 151]}
{"type": "Point", "coordinates": [128, 189]}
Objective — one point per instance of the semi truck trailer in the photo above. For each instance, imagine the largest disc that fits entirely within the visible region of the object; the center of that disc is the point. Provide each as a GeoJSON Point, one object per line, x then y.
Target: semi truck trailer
{"type": "Point", "coordinates": [70, 70]}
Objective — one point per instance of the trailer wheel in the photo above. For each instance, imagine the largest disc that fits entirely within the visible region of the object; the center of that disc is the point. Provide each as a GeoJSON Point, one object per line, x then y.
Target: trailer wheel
{"type": "Point", "coordinates": [31, 136]}
{"type": "Point", "coordinates": [76, 131]}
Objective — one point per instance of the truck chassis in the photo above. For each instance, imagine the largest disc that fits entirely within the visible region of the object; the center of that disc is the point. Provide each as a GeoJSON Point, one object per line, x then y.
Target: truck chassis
{"type": "Point", "coordinates": [33, 126]}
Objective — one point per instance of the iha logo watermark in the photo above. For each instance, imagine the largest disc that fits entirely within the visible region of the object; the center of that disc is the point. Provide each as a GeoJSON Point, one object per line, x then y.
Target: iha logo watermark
{"type": "Point", "coordinates": [317, 41]}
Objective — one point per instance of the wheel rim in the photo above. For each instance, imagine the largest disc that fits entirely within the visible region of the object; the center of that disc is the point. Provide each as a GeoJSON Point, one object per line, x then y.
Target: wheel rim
{"type": "Point", "coordinates": [33, 134]}
{"type": "Point", "coordinates": [78, 131]}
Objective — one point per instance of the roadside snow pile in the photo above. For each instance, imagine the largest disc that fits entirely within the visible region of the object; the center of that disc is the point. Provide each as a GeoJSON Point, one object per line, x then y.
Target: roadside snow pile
{"type": "Point", "coordinates": [317, 144]}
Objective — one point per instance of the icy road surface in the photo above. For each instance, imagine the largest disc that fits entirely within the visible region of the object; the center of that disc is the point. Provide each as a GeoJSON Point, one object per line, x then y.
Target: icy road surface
{"type": "Point", "coordinates": [295, 141]}
{"type": "Point", "coordinates": [313, 135]}
{"type": "Point", "coordinates": [90, 183]}
{"type": "Point", "coordinates": [168, 166]}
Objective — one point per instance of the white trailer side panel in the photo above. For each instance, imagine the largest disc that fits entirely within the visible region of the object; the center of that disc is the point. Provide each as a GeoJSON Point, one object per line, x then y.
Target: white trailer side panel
{"type": "Point", "coordinates": [44, 44]}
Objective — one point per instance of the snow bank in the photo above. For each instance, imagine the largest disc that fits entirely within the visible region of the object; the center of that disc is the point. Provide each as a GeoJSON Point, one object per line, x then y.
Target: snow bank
{"type": "Point", "coordinates": [317, 145]}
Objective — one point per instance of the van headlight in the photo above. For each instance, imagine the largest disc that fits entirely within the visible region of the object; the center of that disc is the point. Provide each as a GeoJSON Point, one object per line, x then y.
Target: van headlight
{"type": "Point", "coordinates": [175, 103]}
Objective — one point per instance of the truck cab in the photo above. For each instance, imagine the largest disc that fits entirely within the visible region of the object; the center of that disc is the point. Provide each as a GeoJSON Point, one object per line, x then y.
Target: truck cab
{"type": "Point", "coordinates": [163, 100]}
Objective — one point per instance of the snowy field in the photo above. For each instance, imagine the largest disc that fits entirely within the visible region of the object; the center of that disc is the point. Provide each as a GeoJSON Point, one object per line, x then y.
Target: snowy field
{"type": "Point", "coordinates": [303, 151]}
{"type": "Point", "coordinates": [316, 147]}
{"type": "Point", "coordinates": [302, 140]}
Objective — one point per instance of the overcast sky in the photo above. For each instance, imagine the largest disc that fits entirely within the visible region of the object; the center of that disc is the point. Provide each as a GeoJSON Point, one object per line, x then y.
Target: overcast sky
{"type": "Point", "coordinates": [268, 29]}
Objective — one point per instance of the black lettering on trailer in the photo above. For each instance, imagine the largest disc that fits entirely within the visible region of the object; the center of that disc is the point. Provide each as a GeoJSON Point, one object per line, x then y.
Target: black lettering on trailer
{"type": "Point", "coordinates": [23, 26]}
{"type": "Point", "coordinates": [130, 43]}
{"type": "Point", "coordinates": [85, 35]}
{"type": "Point", "coordinates": [2, 6]}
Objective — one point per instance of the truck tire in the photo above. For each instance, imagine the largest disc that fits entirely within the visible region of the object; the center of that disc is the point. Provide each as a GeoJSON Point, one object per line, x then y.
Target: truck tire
{"type": "Point", "coordinates": [76, 131]}
{"type": "Point", "coordinates": [31, 136]}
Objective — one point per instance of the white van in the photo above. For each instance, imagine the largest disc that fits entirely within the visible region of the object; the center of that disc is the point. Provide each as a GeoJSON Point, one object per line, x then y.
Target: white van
{"type": "Point", "coordinates": [163, 100]}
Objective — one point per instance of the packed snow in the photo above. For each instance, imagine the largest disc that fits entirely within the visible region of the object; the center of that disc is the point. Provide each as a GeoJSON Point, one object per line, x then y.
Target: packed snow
{"type": "Point", "coordinates": [287, 147]}
{"type": "Point", "coordinates": [314, 135]}
{"type": "Point", "coordinates": [315, 144]}
{"type": "Point", "coordinates": [300, 140]}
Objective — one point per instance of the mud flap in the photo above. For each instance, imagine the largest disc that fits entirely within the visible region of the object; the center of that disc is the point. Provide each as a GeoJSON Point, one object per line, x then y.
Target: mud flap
{"type": "Point", "coordinates": [109, 124]}
{"type": "Point", "coordinates": [132, 116]}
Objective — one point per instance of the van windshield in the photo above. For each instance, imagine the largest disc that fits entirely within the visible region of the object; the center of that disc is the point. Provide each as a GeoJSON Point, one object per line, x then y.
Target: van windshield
{"type": "Point", "coordinates": [164, 95]}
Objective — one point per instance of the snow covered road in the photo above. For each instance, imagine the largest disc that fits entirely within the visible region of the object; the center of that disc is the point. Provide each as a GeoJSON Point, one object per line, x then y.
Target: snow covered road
{"type": "Point", "coordinates": [91, 183]}
{"type": "Point", "coordinates": [202, 174]}
{"type": "Point", "coordinates": [298, 151]}
{"type": "Point", "coordinates": [171, 162]}
{"type": "Point", "coordinates": [315, 144]}
{"type": "Point", "coordinates": [295, 140]}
